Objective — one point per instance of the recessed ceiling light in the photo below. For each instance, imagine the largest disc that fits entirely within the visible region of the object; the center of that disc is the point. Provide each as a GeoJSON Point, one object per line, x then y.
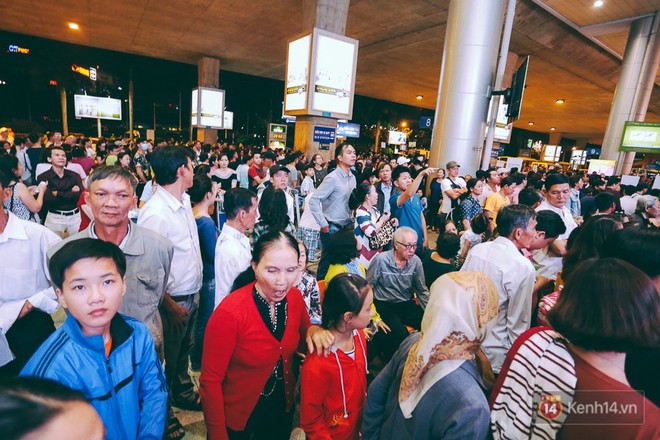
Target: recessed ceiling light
{"type": "Point", "coordinates": [73, 26]}
{"type": "Point", "coordinates": [530, 123]}
{"type": "Point", "coordinates": [418, 97]}
{"type": "Point", "coordinates": [598, 3]}
{"type": "Point", "coordinates": [560, 101]}
{"type": "Point", "coordinates": [552, 128]}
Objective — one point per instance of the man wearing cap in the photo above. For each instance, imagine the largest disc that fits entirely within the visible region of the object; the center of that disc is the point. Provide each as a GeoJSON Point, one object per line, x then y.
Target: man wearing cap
{"type": "Point", "coordinates": [452, 188]}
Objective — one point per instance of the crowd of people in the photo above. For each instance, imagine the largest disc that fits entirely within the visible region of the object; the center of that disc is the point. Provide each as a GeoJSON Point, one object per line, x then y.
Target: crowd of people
{"type": "Point", "coordinates": [279, 293]}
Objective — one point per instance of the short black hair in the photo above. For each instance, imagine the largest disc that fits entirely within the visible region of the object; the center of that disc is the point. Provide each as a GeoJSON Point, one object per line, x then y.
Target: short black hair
{"type": "Point", "coordinates": [4, 180]}
{"type": "Point", "coordinates": [550, 222]}
{"type": "Point", "coordinates": [77, 250]}
{"type": "Point", "coordinates": [201, 186]}
{"type": "Point", "coordinates": [529, 197]}
{"type": "Point", "coordinates": [573, 180]}
{"type": "Point", "coordinates": [345, 293]}
{"type": "Point", "coordinates": [340, 148]}
{"type": "Point", "coordinates": [604, 200]}
{"type": "Point", "coordinates": [448, 245]}
{"type": "Point", "coordinates": [506, 181]}
{"type": "Point", "coordinates": [166, 161]}
{"type": "Point", "coordinates": [237, 200]}
{"type": "Point", "coordinates": [554, 179]}
{"type": "Point", "coordinates": [512, 217]}
{"type": "Point", "coordinates": [342, 247]}
{"type": "Point", "coordinates": [638, 246]}
{"type": "Point", "coordinates": [398, 170]}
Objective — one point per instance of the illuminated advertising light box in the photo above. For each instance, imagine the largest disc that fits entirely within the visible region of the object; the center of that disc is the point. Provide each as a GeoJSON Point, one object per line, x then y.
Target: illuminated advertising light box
{"type": "Point", "coordinates": [228, 120]}
{"type": "Point", "coordinates": [502, 127]}
{"type": "Point", "coordinates": [600, 166]}
{"type": "Point", "coordinates": [641, 137]}
{"type": "Point", "coordinates": [97, 107]}
{"type": "Point", "coordinates": [320, 75]}
{"type": "Point", "coordinates": [346, 129]}
{"type": "Point", "coordinates": [397, 138]}
{"type": "Point", "coordinates": [297, 73]}
{"type": "Point", "coordinates": [208, 106]}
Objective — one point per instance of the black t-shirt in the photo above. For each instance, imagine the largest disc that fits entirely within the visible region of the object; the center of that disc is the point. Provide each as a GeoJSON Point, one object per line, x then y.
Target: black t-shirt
{"type": "Point", "coordinates": [433, 269]}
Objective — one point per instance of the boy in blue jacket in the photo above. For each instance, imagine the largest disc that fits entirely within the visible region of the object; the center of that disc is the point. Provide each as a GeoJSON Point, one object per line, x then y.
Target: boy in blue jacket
{"type": "Point", "coordinates": [108, 357]}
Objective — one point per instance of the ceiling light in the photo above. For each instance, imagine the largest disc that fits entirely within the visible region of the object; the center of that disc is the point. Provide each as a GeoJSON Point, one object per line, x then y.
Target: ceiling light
{"type": "Point", "coordinates": [530, 123]}
{"type": "Point", "coordinates": [560, 101]}
{"type": "Point", "coordinates": [552, 128]}
{"type": "Point", "coordinates": [598, 3]}
{"type": "Point", "coordinates": [418, 97]}
{"type": "Point", "coordinates": [73, 26]}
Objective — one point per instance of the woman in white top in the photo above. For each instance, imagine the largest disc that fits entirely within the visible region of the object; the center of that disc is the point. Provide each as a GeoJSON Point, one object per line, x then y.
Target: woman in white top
{"type": "Point", "coordinates": [21, 203]}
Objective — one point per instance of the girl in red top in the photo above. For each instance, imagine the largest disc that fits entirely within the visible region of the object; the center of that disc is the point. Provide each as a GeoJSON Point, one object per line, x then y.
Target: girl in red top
{"type": "Point", "coordinates": [333, 388]}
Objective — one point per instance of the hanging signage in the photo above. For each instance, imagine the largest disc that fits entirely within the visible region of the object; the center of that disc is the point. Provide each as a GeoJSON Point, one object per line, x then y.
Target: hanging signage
{"type": "Point", "coordinates": [17, 49]}
{"type": "Point", "coordinates": [426, 122]}
{"type": "Point", "coordinates": [642, 137]}
{"type": "Point", "coordinates": [324, 135]}
{"type": "Point", "coordinates": [320, 75]}
{"type": "Point", "coordinates": [89, 72]}
{"type": "Point", "coordinates": [346, 129]}
{"type": "Point", "coordinates": [397, 138]}
{"type": "Point", "coordinates": [208, 106]}
{"type": "Point", "coordinates": [97, 107]}
{"type": "Point", "coordinates": [228, 119]}
{"type": "Point", "coordinates": [277, 135]}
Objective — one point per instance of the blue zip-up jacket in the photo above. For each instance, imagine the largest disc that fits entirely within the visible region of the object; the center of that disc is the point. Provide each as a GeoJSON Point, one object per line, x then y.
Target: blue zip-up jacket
{"type": "Point", "coordinates": [127, 388]}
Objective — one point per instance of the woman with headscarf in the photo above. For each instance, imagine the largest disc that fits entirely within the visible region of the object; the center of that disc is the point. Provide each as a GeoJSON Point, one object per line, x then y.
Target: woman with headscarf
{"type": "Point", "coordinates": [434, 385]}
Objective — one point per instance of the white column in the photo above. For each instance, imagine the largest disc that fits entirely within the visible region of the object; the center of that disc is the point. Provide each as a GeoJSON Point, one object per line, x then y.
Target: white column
{"type": "Point", "coordinates": [632, 93]}
{"type": "Point", "coordinates": [474, 28]}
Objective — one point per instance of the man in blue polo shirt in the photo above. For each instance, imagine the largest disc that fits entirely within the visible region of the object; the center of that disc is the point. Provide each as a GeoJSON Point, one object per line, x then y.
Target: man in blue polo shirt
{"type": "Point", "coordinates": [406, 205]}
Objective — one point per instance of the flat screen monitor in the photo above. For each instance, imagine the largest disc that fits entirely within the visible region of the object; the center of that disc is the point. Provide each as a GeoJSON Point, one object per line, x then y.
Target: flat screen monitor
{"type": "Point", "coordinates": [517, 90]}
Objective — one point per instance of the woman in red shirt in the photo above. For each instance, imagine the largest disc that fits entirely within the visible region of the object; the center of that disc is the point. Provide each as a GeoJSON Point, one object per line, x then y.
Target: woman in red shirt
{"type": "Point", "coordinates": [334, 388]}
{"type": "Point", "coordinates": [247, 382]}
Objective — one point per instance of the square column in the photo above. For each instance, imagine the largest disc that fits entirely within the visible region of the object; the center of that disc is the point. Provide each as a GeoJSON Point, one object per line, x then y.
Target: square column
{"type": "Point", "coordinates": [208, 75]}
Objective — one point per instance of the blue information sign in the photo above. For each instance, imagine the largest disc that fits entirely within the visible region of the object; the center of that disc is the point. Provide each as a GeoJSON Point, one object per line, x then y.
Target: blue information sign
{"type": "Point", "coordinates": [324, 134]}
{"type": "Point", "coordinates": [426, 122]}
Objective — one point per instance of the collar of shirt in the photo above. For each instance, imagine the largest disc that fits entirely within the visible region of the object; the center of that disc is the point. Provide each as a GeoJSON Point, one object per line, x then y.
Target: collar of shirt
{"type": "Point", "coordinates": [171, 201]}
{"type": "Point", "coordinates": [234, 233]}
{"type": "Point", "coordinates": [343, 173]}
{"type": "Point", "coordinates": [561, 211]}
{"type": "Point", "coordinates": [508, 244]}
{"type": "Point", "coordinates": [13, 229]}
{"type": "Point", "coordinates": [125, 244]}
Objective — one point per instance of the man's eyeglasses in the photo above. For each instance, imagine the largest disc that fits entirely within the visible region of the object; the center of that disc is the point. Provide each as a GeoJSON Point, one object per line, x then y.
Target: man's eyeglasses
{"type": "Point", "coordinates": [408, 247]}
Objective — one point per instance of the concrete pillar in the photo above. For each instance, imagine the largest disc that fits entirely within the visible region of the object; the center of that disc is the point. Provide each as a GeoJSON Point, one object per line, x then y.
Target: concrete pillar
{"type": "Point", "coordinates": [65, 115]}
{"type": "Point", "coordinates": [329, 15]}
{"type": "Point", "coordinates": [208, 75]}
{"type": "Point", "coordinates": [633, 92]}
{"type": "Point", "coordinates": [474, 28]}
{"type": "Point", "coordinates": [554, 138]}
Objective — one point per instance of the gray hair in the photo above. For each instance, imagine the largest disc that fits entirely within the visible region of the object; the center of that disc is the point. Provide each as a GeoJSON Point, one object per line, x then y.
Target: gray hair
{"type": "Point", "coordinates": [645, 202]}
{"type": "Point", "coordinates": [111, 172]}
{"type": "Point", "coordinates": [398, 234]}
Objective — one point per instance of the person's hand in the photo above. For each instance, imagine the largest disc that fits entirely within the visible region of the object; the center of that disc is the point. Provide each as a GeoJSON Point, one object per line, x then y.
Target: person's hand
{"type": "Point", "coordinates": [42, 185]}
{"type": "Point", "coordinates": [325, 229]}
{"type": "Point", "coordinates": [382, 326]}
{"type": "Point", "coordinates": [177, 315]}
{"type": "Point", "coordinates": [27, 308]}
{"type": "Point", "coordinates": [75, 189]}
{"type": "Point", "coordinates": [319, 339]}
{"type": "Point", "coordinates": [429, 171]}
{"type": "Point", "coordinates": [395, 222]}
{"type": "Point", "coordinates": [385, 217]}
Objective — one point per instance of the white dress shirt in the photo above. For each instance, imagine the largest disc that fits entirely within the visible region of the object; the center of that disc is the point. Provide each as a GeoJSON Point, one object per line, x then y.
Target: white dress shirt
{"type": "Point", "coordinates": [24, 270]}
{"type": "Point", "coordinates": [174, 220]}
{"type": "Point", "coordinates": [232, 256]}
{"type": "Point", "coordinates": [513, 275]}
{"type": "Point", "coordinates": [548, 261]}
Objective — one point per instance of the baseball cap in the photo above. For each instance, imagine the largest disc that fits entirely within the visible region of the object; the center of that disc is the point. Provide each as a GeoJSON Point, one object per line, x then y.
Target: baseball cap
{"type": "Point", "coordinates": [452, 164]}
{"type": "Point", "coordinates": [277, 168]}
{"type": "Point", "coordinates": [402, 160]}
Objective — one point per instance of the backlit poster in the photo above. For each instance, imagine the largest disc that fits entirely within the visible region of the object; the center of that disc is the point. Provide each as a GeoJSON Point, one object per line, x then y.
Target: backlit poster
{"type": "Point", "coordinates": [97, 107]}
{"type": "Point", "coordinates": [297, 73]}
{"type": "Point", "coordinates": [208, 108]}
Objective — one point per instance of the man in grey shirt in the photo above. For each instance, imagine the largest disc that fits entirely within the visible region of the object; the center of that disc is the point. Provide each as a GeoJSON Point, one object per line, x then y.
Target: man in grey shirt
{"type": "Point", "coordinates": [329, 203]}
{"type": "Point", "coordinates": [396, 276]}
{"type": "Point", "coordinates": [148, 255]}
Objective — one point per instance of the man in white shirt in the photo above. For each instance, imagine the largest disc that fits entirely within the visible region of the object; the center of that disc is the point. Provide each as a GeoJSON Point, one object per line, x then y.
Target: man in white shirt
{"type": "Point", "coordinates": [492, 186]}
{"type": "Point", "coordinates": [232, 250]}
{"type": "Point", "coordinates": [452, 188]}
{"type": "Point", "coordinates": [512, 274]}
{"type": "Point", "coordinates": [169, 213]}
{"type": "Point", "coordinates": [26, 296]}
{"type": "Point", "coordinates": [557, 193]}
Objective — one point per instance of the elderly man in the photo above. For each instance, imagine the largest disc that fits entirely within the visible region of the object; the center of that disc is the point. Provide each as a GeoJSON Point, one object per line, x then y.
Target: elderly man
{"type": "Point", "coordinates": [26, 296]}
{"type": "Point", "coordinates": [397, 276]}
{"type": "Point", "coordinates": [513, 274]}
{"type": "Point", "coordinates": [648, 211]}
{"type": "Point", "coordinates": [148, 255]}
{"type": "Point", "coordinates": [232, 250]}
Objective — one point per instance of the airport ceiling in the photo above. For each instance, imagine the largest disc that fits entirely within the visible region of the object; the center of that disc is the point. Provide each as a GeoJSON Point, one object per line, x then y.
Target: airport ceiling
{"type": "Point", "coordinates": [575, 47]}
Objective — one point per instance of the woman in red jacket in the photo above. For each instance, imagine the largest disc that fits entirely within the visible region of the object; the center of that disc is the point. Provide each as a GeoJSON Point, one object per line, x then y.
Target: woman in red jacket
{"type": "Point", "coordinates": [247, 383]}
{"type": "Point", "coordinates": [334, 388]}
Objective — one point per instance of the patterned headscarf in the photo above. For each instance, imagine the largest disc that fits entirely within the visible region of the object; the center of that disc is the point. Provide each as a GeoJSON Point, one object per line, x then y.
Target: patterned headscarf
{"type": "Point", "coordinates": [461, 304]}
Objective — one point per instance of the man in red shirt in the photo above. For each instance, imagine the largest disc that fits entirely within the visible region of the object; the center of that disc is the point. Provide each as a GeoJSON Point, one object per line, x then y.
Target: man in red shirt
{"type": "Point", "coordinates": [256, 172]}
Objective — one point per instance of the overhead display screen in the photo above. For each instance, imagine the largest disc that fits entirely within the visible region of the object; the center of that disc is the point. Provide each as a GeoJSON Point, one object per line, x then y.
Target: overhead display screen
{"type": "Point", "coordinates": [97, 107]}
{"type": "Point", "coordinates": [642, 137]}
{"type": "Point", "coordinates": [297, 62]}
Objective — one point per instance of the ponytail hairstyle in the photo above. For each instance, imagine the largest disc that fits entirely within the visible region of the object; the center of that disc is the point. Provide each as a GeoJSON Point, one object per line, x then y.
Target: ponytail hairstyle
{"type": "Point", "coordinates": [345, 293]}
